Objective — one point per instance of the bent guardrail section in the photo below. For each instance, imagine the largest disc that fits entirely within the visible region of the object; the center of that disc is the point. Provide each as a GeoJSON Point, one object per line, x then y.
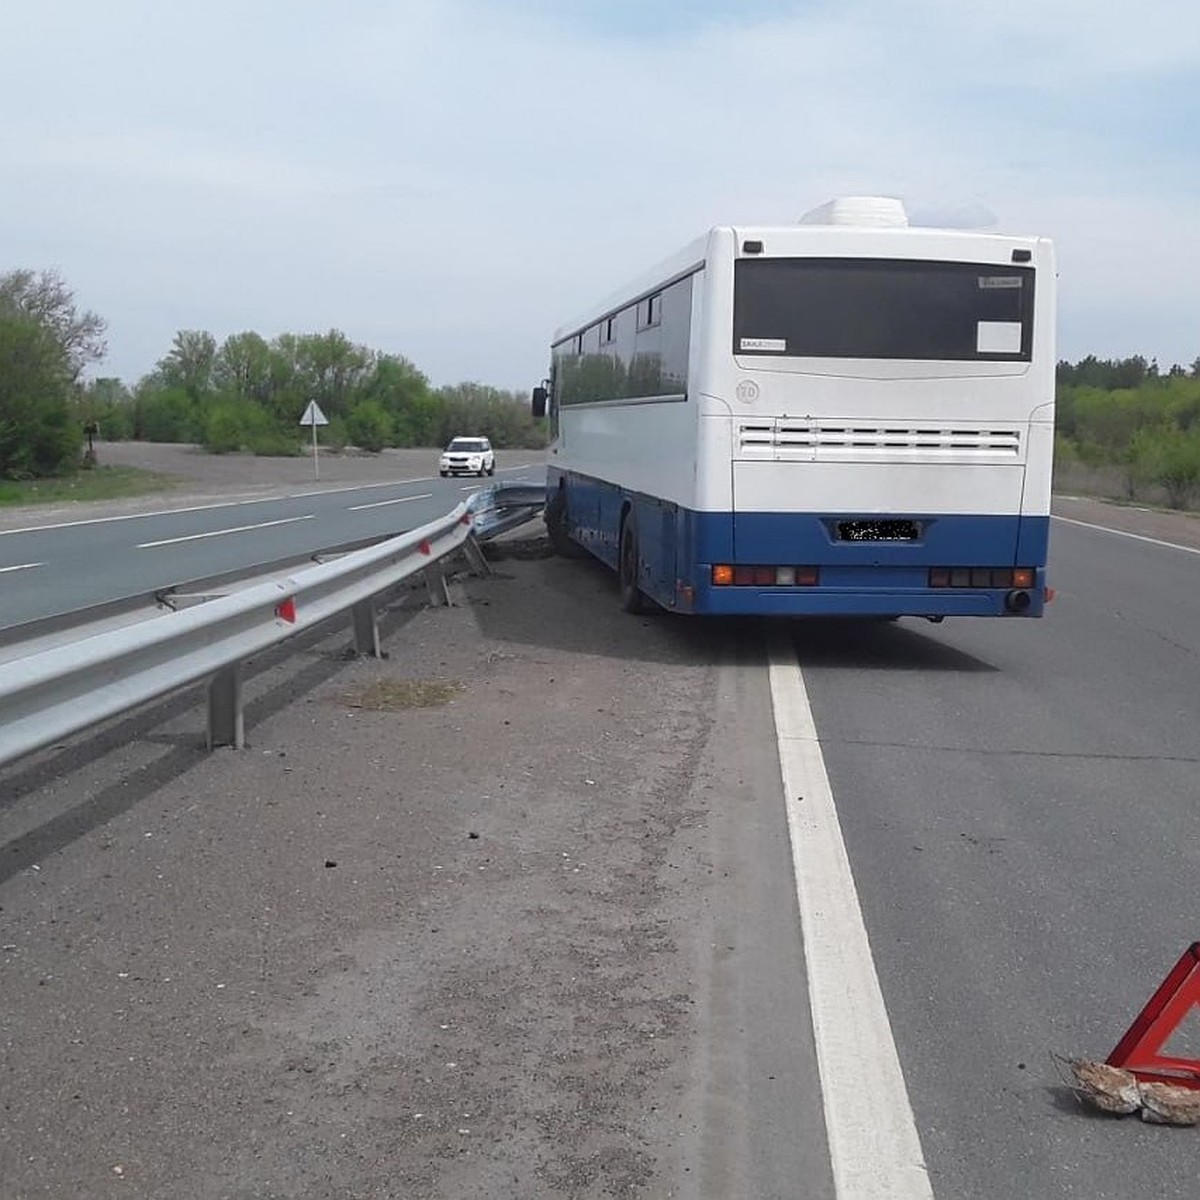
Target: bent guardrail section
{"type": "Point", "coordinates": [504, 506]}
{"type": "Point", "coordinates": [56, 692]}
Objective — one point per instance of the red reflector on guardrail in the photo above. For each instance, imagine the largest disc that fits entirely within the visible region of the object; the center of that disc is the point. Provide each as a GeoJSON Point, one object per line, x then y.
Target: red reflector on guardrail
{"type": "Point", "coordinates": [425, 548]}
{"type": "Point", "coordinates": [285, 610]}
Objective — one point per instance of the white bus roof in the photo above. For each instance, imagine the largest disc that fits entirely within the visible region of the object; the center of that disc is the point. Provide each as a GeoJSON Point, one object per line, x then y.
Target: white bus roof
{"type": "Point", "coordinates": [873, 221]}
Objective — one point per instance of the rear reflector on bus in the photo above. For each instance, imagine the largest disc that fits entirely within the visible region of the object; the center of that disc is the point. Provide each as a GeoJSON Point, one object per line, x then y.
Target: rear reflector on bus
{"type": "Point", "coordinates": [981, 577]}
{"type": "Point", "coordinates": [727, 575]}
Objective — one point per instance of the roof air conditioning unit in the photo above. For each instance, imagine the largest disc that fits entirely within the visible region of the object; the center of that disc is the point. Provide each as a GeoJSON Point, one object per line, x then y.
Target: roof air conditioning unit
{"type": "Point", "coordinates": [876, 212]}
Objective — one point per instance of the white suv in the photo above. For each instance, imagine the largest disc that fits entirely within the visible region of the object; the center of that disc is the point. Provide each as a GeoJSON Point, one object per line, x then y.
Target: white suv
{"type": "Point", "coordinates": [468, 456]}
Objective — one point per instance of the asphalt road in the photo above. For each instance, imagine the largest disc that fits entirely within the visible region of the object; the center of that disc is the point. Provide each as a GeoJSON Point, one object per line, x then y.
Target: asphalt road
{"type": "Point", "coordinates": [1021, 805]}
{"type": "Point", "coordinates": [543, 940]}
{"type": "Point", "coordinates": [77, 561]}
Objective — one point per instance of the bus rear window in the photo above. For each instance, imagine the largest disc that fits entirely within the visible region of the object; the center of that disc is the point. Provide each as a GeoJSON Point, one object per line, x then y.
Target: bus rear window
{"type": "Point", "coordinates": [882, 308]}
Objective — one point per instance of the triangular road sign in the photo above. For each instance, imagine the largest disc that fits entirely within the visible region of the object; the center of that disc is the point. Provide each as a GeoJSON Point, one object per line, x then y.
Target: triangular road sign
{"type": "Point", "coordinates": [313, 415]}
{"type": "Point", "coordinates": [1140, 1050]}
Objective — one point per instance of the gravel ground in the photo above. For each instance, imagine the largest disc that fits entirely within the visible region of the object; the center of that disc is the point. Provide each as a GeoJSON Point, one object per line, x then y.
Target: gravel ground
{"type": "Point", "coordinates": [392, 949]}
{"type": "Point", "coordinates": [397, 948]}
{"type": "Point", "coordinates": [201, 472]}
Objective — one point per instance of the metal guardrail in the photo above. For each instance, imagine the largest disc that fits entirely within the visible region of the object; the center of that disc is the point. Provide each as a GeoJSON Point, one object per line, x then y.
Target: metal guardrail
{"type": "Point", "coordinates": [73, 625]}
{"type": "Point", "coordinates": [504, 506]}
{"type": "Point", "coordinates": [54, 692]}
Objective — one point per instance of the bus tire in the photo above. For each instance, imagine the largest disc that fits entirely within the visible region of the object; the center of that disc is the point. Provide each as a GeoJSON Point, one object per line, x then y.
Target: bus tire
{"type": "Point", "coordinates": [633, 600]}
{"type": "Point", "coordinates": [556, 527]}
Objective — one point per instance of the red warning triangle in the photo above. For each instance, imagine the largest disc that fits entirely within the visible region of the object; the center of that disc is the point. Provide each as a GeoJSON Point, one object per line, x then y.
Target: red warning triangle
{"type": "Point", "coordinates": [1140, 1050]}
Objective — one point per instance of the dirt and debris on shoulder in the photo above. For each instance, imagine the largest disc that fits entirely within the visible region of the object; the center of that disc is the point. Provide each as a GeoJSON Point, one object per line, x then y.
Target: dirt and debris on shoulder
{"type": "Point", "coordinates": [421, 939]}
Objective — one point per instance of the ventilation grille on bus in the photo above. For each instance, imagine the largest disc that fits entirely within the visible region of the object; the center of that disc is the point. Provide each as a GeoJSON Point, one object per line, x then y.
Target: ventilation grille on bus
{"type": "Point", "coordinates": [784, 439]}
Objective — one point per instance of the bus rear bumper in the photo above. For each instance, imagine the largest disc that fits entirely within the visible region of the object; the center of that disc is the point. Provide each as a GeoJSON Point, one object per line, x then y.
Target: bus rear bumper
{"type": "Point", "coordinates": [835, 602]}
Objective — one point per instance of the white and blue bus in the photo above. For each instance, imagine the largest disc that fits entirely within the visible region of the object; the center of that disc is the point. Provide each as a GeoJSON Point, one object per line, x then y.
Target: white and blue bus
{"type": "Point", "coordinates": [847, 416]}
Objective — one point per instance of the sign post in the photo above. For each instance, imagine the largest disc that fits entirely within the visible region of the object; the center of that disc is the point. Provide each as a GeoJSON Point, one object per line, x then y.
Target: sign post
{"type": "Point", "coordinates": [314, 416]}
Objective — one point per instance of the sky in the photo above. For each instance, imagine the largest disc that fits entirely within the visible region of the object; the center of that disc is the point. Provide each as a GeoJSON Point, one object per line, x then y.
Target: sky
{"type": "Point", "coordinates": [451, 180]}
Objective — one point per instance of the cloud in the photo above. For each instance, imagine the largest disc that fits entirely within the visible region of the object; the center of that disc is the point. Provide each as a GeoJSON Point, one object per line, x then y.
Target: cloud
{"type": "Point", "coordinates": [450, 179]}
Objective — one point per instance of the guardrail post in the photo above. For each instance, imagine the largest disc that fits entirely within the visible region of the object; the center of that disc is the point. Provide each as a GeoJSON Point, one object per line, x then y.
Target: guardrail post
{"type": "Point", "coordinates": [366, 628]}
{"type": "Point", "coordinates": [475, 556]}
{"type": "Point", "coordinates": [435, 582]}
{"type": "Point", "coordinates": [226, 723]}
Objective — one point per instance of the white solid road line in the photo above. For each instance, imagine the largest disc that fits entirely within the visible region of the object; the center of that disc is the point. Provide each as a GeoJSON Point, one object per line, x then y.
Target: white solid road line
{"type": "Point", "coordinates": [21, 567]}
{"type": "Point", "coordinates": [873, 1141]}
{"type": "Point", "coordinates": [1137, 537]}
{"type": "Point", "coordinates": [195, 537]}
{"type": "Point", "coordinates": [385, 503]}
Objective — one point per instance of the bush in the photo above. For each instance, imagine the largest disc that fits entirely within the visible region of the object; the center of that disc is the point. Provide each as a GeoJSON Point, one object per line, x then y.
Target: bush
{"type": "Point", "coordinates": [48, 443]}
{"type": "Point", "coordinates": [223, 432]}
{"type": "Point", "coordinates": [165, 415]}
{"type": "Point", "coordinates": [273, 443]}
{"type": "Point", "coordinates": [334, 435]}
{"type": "Point", "coordinates": [369, 426]}
{"type": "Point", "coordinates": [233, 425]}
{"type": "Point", "coordinates": [1170, 458]}
{"type": "Point", "coordinates": [115, 422]}
{"type": "Point", "coordinates": [1065, 452]}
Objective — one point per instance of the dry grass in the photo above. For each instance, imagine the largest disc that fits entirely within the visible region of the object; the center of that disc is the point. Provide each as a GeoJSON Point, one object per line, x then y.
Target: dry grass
{"type": "Point", "coordinates": [395, 695]}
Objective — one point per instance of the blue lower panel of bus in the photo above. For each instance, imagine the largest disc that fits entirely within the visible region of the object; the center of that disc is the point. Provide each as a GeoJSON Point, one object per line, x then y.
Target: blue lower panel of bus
{"type": "Point", "coordinates": [678, 549]}
{"type": "Point", "coordinates": [863, 578]}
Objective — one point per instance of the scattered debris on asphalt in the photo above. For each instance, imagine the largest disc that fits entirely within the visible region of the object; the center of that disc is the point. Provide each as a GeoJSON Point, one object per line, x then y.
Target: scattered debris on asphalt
{"type": "Point", "coordinates": [1115, 1090]}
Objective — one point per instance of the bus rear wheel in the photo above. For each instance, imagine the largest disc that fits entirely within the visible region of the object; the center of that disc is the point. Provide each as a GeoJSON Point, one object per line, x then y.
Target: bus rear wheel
{"type": "Point", "coordinates": [633, 600]}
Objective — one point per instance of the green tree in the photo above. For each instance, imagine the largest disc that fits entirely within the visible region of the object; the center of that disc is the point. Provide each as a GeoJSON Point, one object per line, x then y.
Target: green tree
{"type": "Point", "coordinates": [45, 341]}
{"type": "Point", "coordinates": [403, 393]}
{"type": "Point", "coordinates": [331, 367]}
{"type": "Point", "coordinates": [476, 408]}
{"type": "Point", "coordinates": [38, 435]}
{"type": "Point", "coordinates": [189, 363]}
{"type": "Point", "coordinates": [242, 368]}
{"type": "Point", "coordinates": [45, 298]}
{"type": "Point", "coordinates": [287, 386]}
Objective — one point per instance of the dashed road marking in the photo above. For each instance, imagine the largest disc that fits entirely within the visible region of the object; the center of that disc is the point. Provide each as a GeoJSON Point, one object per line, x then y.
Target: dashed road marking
{"type": "Point", "coordinates": [212, 533]}
{"type": "Point", "coordinates": [385, 503]}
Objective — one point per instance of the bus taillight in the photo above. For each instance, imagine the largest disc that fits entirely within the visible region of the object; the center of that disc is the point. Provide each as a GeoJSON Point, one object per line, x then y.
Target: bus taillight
{"type": "Point", "coordinates": [726, 575]}
{"type": "Point", "coordinates": [981, 577]}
